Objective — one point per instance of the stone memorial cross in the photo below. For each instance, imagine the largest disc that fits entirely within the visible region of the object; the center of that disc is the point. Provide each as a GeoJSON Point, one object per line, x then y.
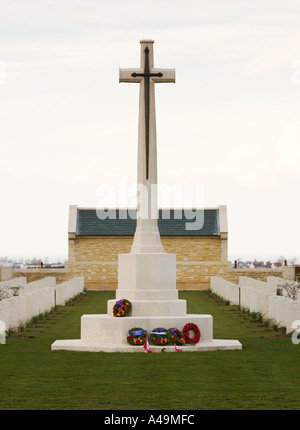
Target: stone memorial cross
{"type": "Point", "coordinates": [147, 238]}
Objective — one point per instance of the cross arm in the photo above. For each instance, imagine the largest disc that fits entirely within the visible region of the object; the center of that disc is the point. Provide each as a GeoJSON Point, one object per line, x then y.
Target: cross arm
{"type": "Point", "coordinates": [125, 75]}
{"type": "Point", "coordinates": [168, 75]}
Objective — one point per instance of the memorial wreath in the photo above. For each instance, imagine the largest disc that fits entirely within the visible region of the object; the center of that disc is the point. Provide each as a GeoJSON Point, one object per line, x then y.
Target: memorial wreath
{"type": "Point", "coordinates": [121, 308]}
{"type": "Point", "coordinates": [137, 336]}
{"type": "Point", "coordinates": [159, 336]}
{"type": "Point", "coordinates": [175, 336]}
{"type": "Point", "coordinates": [186, 333]}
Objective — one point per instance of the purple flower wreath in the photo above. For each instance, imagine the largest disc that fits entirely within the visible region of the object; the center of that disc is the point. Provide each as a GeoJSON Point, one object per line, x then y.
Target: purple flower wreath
{"type": "Point", "coordinates": [121, 308]}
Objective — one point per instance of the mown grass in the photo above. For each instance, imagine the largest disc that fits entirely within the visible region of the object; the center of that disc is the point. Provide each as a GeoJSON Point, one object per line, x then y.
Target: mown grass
{"type": "Point", "coordinates": [264, 375]}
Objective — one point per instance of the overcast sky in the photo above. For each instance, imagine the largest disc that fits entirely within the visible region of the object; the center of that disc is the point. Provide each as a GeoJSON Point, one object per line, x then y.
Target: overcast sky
{"type": "Point", "coordinates": [231, 122]}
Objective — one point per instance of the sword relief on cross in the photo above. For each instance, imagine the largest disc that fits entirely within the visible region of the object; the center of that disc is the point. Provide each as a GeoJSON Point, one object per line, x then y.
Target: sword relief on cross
{"type": "Point", "coordinates": [147, 75]}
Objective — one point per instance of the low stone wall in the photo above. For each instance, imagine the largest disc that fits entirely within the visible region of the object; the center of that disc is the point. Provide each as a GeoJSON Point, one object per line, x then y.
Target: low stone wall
{"type": "Point", "coordinates": [32, 275]}
{"type": "Point", "coordinates": [191, 275]}
{"type": "Point", "coordinates": [91, 249]}
{"type": "Point", "coordinates": [197, 275]}
{"type": "Point", "coordinates": [6, 273]}
{"type": "Point", "coordinates": [96, 258]}
{"type": "Point", "coordinates": [259, 274]}
{"type": "Point", "coordinates": [98, 275]}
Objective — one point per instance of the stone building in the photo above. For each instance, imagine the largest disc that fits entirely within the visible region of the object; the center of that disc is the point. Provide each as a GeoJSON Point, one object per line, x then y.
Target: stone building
{"type": "Point", "coordinates": [199, 240]}
{"type": "Point", "coordinates": [94, 245]}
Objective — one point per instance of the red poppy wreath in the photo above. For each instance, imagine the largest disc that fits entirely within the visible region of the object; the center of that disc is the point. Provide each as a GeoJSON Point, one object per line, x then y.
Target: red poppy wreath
{"type": "Point", "coordinates": [186, 333]}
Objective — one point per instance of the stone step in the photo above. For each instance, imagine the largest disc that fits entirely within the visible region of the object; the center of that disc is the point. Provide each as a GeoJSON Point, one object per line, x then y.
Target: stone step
{"type": "Point", "coordinates": [106, 329]}
{"type": "Point", "coordinates": [147, 294]}
{"type": "Point", "coordinates": [79, 345]}
{"type": "Point", "coordinates": [153, 307]}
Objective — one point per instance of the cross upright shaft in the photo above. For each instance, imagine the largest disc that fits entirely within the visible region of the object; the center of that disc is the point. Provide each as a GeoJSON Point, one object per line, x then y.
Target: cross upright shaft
{"type": "Point", "coordinates": [147, 237]}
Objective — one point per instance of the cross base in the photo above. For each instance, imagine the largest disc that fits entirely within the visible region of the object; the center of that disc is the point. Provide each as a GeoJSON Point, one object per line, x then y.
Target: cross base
{"type": "Point", "coordinates": [105, 333]}
{"type": "Point", "coordinates": [147, 240]}
{"type": "Point", "coordinates": [79, 345]}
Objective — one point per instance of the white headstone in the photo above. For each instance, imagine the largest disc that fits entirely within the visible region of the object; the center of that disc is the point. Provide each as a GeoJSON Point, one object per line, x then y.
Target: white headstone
{"type": "Point", "coordinates": [2, 332]}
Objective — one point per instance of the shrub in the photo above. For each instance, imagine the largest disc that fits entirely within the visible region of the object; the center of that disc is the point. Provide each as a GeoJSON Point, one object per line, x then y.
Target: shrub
{"type": "Point", "coordinates": [288, 289]}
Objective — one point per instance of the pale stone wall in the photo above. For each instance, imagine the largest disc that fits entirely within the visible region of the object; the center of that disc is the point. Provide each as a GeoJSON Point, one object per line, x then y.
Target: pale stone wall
{"type": "Point", "coordinates": [102, 248]}
{"type": "Point", "coordinates": [96, 258]}
{"type": "Point", "coordinates": [260, 274]}
{"type": "Point", "coordinates": [189, 248]}
{"type": "Point", "coordinates": [61, 275]}
{"type": "Point", "coordinates": [107, 248]}
{"type": "Point", "coordinates": [197, 259]}
{"type": "Point", "coordinates": [97, 275]}
{"type": "Point", "coordinates": [6, 273]}
{"type": "Point", "coordinates": [103, 275]}
{"type": "Point", "coordinates": [192, 275]}
{"type": "Point", "coordinates": [289, 272]}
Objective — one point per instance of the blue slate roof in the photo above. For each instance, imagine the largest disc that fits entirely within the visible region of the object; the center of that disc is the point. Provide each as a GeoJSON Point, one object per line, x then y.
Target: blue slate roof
{"type": "Point", "coordinates": [173, 222]}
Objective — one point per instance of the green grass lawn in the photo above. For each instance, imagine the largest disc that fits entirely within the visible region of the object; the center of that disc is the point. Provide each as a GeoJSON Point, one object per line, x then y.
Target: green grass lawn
{"type": "Point", "coordinates": [264, 375]}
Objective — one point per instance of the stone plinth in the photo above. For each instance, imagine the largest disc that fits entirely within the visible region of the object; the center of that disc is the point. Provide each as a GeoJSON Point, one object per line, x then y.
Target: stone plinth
{"type": "Point", "coordinates": [149, 282]}
{"type": "Point", "coordinates": [78, 345]}
{"type": "Point", "coordinates": [148, 308]}
{"type": "Point", "coordinates": [105, 333]}
{"type": "Point", "coordinates": [108, 329]}
{"type": "Point", "coordinates": [146, 274]}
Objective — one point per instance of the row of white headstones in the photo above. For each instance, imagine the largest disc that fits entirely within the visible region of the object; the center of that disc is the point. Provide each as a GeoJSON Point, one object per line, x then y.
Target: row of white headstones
{"type": "Point", "coordinates": [21, 301]}
{"type": "Point", "coordinates": [260, 297]}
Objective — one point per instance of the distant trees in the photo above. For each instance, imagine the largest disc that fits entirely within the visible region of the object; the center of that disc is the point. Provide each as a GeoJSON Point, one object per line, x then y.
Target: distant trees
{"type": "Point", "coordinates": [290, 262]}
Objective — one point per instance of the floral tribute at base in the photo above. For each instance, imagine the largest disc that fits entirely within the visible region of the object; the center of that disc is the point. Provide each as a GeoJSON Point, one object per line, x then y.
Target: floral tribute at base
{"type": "Point", "coordinates": [121, 308]}
{"type": "Point", "coordinates": [137, 336]}
{"type": "Point", "coordinates": [186, 333]}
{"type": "Point", "coordinates": [175, 336]}
{"type": "Point", "coordinates": [159, 336]}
